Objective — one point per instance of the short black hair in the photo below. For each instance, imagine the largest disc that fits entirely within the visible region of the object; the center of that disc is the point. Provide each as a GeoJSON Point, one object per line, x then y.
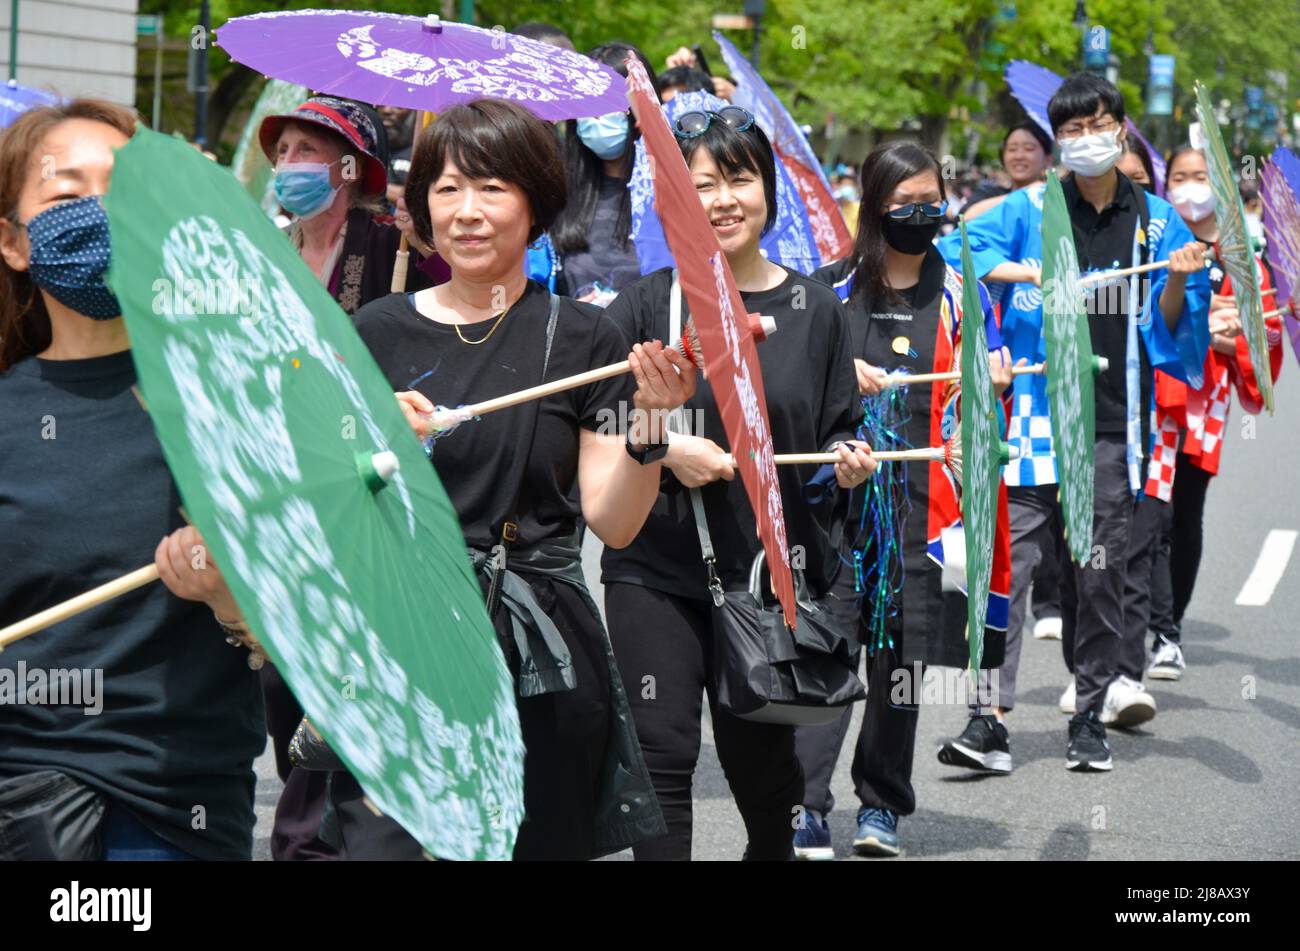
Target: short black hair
{"type": "Point", "coordinates": [1034, 129]}
{"type": "Point", "coordinates": [489, 138]}
{"type": "Point", "coordinates": [542, 32]}
{"type": "Point", "coordinates": [686, 79]}
{"type": "Point", "coordinates": [735, 152]}
{"type": "Point", "coordinates": [1080, 96]}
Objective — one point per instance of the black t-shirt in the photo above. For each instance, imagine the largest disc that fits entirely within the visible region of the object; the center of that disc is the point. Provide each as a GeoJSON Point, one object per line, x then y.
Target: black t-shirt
{"type": "Point", "coordinates": [811, 391]}
{"type": "Point", "coordinates": [85, 497]}
{"type": "Point", "coordinates": [480, 462]}
{"type": "Point", "coordinates": [610, 256]}
{"type": "Point", "coordinates": [1104, 240]}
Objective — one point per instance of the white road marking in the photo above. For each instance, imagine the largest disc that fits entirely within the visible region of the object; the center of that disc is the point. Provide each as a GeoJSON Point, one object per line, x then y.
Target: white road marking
{"type": "Point", "coordinates": [1269, 567]}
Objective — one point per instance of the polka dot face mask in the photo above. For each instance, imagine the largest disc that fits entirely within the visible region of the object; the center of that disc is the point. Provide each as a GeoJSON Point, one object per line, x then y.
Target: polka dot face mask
{"type": "Point", "coordinates": [70, 254]}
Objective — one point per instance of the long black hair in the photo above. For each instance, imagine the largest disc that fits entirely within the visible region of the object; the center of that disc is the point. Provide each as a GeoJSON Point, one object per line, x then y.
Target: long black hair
{"type": "Point", "coordinates": [586, 169]}
{"type": "Point", "coordinates": [888, 165]}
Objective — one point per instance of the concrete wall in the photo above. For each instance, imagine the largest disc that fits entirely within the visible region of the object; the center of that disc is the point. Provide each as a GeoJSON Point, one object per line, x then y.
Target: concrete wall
{"type": "Point", "coordinates": [74, 47]}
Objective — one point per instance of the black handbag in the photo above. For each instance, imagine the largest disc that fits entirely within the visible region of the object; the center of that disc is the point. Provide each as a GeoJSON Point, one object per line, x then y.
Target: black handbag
{"type": "Point", "coordinates": [769, 673]}
{"type": "Point", "coordinates": [50, 816]}
{"type": "Point", "coordinates": [764, 671]}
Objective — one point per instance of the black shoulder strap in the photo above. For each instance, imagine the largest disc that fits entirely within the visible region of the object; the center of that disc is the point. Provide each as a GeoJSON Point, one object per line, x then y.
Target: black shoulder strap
{"type": "Point", "coordinates": [510, 527]}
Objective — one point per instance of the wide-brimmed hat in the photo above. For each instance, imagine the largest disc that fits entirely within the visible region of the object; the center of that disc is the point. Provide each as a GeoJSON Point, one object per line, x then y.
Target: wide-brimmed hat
{"type": "Point", "coordinates": [346, 119]}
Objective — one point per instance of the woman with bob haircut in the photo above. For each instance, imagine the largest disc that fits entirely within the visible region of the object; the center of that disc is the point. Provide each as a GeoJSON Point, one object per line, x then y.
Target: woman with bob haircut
{"type": "Point", "coordinates": [487, 179]}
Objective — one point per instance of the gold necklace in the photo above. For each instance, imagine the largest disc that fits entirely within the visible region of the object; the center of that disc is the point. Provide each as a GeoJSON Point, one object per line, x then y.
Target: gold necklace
{"type": "Point", "coordinates": [484, 338]}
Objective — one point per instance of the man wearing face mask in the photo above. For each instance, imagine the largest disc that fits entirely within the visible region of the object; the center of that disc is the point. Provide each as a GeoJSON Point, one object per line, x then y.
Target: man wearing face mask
{"type": "Point", "coordinates": [1155, 321]}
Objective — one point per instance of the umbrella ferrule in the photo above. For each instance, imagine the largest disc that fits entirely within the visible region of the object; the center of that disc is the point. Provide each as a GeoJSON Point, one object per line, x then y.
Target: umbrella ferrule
{"type": "Point", "coordinates": [377, 468]}
{"type": "Point", "coordinates": [432, 23]}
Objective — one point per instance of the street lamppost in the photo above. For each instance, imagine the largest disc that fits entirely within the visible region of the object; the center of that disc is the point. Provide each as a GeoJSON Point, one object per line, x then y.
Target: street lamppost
{"type": "Point", "coordinates": [13, 40]}
{"type": "Point", "coordinates": [1081, 23]}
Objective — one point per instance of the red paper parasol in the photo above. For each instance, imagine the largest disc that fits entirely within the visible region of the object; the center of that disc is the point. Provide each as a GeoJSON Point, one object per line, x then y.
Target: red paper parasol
{"type": "Point", "coordinates": [730, 358]}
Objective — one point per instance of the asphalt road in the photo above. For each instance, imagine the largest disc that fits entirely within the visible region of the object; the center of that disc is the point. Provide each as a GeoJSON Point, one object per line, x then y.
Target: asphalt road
{"type": "Point", "coordinates": [1214, 775]}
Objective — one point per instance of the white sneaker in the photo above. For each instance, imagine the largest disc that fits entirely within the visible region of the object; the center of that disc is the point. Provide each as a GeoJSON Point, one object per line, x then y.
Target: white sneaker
{"type": "Point", "coordinates": [1066, 703]}
{"type": "Point", "coordinates": [1167, 662]}
{"type": "Point", "coordinates": [1047, 629]}
{"type": "Point", "coordinates": [1126, 703]}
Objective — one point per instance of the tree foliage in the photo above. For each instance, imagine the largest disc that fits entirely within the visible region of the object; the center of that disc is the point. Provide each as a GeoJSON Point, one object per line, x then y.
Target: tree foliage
{"type": "Point", "coordinates": [886, 63]}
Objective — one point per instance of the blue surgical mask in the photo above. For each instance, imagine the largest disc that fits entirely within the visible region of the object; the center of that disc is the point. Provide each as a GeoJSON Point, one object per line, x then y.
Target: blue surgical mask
{"type": "Point", "coordinates": [303, 188]}
{"type": "Point", "coordinates": [69, 257]}
{"type": "Point", "coordinates": [605, 135]}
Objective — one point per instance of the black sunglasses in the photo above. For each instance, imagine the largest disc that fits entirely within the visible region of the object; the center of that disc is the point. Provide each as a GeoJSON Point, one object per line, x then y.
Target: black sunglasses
{"type": "Point", "coordinates": [930, 211]}
{"type": "Point", "coordinates": [696, 122]}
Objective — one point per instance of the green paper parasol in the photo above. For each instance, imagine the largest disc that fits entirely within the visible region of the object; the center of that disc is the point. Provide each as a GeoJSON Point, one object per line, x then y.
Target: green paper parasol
{"type": "Point", "coordinates": [1235, 248]}
{"type": "Point", "coordinates": [982, 455]}
{"type": "Point", "coordinates": [270, 411]}
{"type": "Point", "coordinates": [1070, 368]}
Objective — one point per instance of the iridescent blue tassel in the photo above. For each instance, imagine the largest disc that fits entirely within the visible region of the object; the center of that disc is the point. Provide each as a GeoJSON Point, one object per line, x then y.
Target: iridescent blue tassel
{"type": "Point", "coordinates": [877, 545]}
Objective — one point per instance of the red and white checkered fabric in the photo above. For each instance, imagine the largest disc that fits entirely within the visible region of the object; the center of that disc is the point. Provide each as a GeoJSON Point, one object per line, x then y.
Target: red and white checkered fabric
{"type": "Point", "coordinates": [1207, 416]}
{"type": "Point", "coordinates": [1164, 458]}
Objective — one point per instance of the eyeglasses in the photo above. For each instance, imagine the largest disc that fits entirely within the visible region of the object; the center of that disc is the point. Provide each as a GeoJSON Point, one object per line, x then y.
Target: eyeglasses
{"type": "Point", "coordinates": [1097, 127]}
{"type": "Point", "coordinates": [695, 123]}
{"type": "Point", "coordinates": [903, 212]}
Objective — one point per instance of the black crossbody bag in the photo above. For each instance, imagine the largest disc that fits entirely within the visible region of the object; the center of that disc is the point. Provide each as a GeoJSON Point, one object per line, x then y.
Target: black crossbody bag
{"type": "Point", "coordinates": [766, 672]}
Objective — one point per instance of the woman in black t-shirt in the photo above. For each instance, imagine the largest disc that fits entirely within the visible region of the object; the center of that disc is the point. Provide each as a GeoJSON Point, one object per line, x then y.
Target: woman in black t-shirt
{"type": "Point", "coordinates": [657, 589]}
{"type": "Point", "coordinates": [149, 753]}
{"type": "Point", "coordinates": [487, 179]}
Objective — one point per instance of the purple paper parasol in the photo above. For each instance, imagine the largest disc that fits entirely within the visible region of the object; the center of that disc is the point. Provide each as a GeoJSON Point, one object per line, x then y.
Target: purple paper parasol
{"type": "Point", "coordinates": [1281, 186]}
{"type": "Point", "coordinates": [420, 63]}
{"type": "Point", "coordinates": [16, 99]}
{"type": "Point", "coordinates": [1034, 85]}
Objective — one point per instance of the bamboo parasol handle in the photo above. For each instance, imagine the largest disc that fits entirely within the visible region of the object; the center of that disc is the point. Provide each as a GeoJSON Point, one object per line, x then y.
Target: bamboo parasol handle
{"type": "Point", "coordinates": [401, 260]}
{"type": "Point", "coordinates": [899, 379]}
{"type": "Point", "coordinates": [924, 454]}
{"type": "Point", "coordinates": [74, 606]}
{"type": "Point", "coordinates": [547, 389]}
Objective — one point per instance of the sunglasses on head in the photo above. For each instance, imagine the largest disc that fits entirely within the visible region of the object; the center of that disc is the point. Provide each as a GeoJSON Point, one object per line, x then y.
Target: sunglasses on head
{"type": "Point", "coordinates": [904, 212]}
{"type": "Point", "coordinates": [696, 122]}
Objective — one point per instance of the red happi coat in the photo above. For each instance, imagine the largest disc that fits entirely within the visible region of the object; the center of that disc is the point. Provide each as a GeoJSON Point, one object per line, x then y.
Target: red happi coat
{"type": "Point", "coordinates": [1201, 416]}
{"type": "Point", "coordinates": [944, 492]}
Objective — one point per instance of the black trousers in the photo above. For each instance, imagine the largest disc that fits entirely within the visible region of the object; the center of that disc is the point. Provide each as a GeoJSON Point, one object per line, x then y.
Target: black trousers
{"type": "Point", "coordinates": [1092, 595]}
{"type": "Point", "coordinates": [1186, 533]}
{"type": "Point", "coordinates": [1162, 593]}
{"type": "Point", "coordinates": [1140, 585]}
{"type": "Point", "coordinates": [1047, 576]}
{"type": "Point", "coordinates": [295, 834]}
{"type": "Point", "coordinates": [882, 756]}
{"type": "Point", "coordinates": [664, 647]}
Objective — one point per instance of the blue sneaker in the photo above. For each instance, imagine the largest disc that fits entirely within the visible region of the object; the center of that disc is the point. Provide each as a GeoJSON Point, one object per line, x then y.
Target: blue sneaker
{"type": "Point", "coordinates": [812, 840]}
{"type": "Point", "coordinates": [877, 832]}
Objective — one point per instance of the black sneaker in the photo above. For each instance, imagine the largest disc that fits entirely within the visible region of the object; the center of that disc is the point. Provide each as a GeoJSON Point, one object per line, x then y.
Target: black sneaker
{"type": "Point", "coordinates": [1088, 750]}
{"type": "Point", "coordinates": [983, 745]}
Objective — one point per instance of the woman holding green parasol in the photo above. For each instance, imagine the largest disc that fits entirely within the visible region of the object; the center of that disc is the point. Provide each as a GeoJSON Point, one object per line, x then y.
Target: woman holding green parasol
{"type": "Point", "coordinates": [172, 716]}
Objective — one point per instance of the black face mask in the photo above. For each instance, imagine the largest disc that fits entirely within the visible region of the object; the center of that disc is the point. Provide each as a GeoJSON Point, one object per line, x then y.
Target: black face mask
{"type": "Point", "coordinates": [912, 235]}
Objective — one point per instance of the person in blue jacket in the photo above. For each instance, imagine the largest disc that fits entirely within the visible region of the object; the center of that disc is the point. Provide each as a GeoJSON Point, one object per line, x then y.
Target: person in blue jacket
{"type": "Point", "coordinates": [1116, 225]}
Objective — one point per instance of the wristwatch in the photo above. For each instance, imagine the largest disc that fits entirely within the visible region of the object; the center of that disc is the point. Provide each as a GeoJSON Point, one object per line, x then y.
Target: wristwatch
{"type": "Point", "coordinates": [646, 454]}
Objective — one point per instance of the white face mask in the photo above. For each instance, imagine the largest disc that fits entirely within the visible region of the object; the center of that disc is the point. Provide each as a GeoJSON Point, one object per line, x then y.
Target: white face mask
{"type": "Point", "coordinates": [1194, 200]}
{"type": "Point", "coordinates": [1091, 155]}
